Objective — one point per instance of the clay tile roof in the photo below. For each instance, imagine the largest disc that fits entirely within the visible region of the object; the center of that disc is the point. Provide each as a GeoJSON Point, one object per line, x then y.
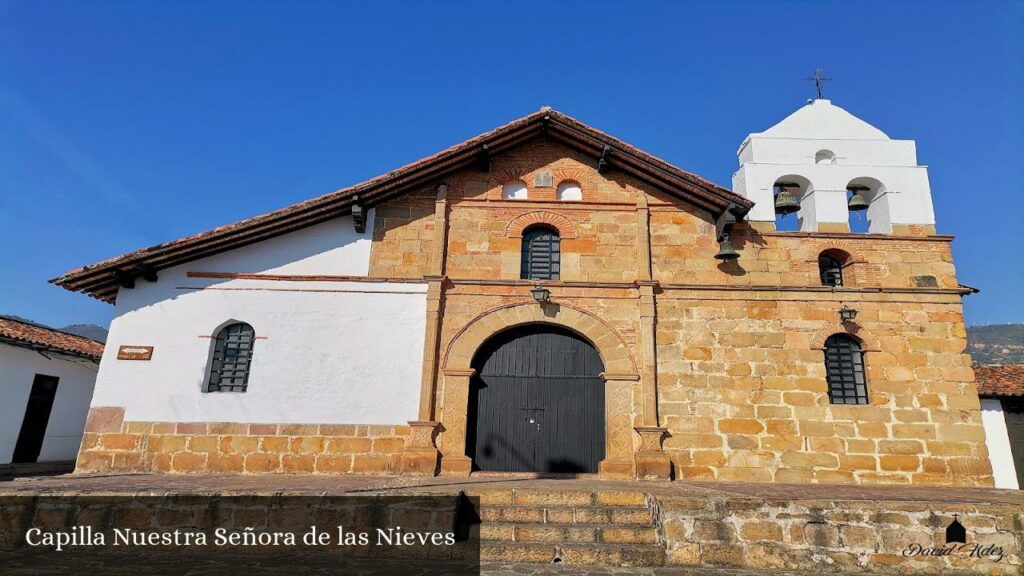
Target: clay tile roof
{"type": "Point", "coordinates": [26, 334]}
{"type": "Point", "coordinates": [102, 279]}
{"type": "Point", "coordinates": [1000, 380]}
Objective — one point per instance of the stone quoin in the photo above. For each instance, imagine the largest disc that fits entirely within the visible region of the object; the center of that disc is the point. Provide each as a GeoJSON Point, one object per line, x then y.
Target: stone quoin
{"type": "Point", "coordinates": [378, 328]}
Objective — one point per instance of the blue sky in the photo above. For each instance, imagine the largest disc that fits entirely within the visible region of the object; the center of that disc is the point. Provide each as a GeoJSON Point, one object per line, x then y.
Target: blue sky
{"type": "Point", "coordinates": [125, 124]}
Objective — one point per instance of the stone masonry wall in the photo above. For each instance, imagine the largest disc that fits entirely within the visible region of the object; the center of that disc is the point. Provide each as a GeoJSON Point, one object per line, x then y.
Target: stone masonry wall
{"type": "Point", "coordinates": [110, 443]}
{"type": "Point", "coordinates": [876, 537]}
{"type": "Point", "coordinates": [742, 391]}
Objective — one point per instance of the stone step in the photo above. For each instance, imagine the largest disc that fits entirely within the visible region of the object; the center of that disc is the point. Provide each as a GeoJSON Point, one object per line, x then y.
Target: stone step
{"type": "Point", "coordinates": [561, 498]}
{"type": "Point", "coordinates": [634, 516]}
{"type": "Point", "coordinates": [628, 556]}
{"type": "Point", "coordinates": [568, 533]}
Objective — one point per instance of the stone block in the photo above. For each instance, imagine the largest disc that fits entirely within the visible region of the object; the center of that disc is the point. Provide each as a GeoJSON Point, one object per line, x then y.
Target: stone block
{"type": "Point", "coordinates": [620, 498]}
{"type": "Point", "coordinates": [298, 463]}
{"type": "Point", "coordinates": [740, 426]}
{"type": "Point", "coordinates": [766, 556]}
{"type": "Point", "coordinates": [899, 462]}
{"type": "Point", "coordinates": [105, 419]}
{"type": "Point", "coordinates": [370, 464]}
{"type": "Point", "coordinates": [120, 441]}
{"type": "Point", "coordinates": [684, 555]}
{"type": "Point", "coordinates": [349, 445]}
{"type": "Point", "coordinates": [333, 463]}
{"type": "Point", "coordinates": [722, 555]}
{"type": "Point", "coordinates": [189, 462]}
{"type": "Point", "coordinates": [755, 531]}
{"type": "Point", "coordinates": [262, 463]}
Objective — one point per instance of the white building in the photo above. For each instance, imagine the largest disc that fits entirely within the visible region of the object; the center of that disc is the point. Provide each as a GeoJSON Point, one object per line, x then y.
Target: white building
{"type": "Point", "coordinates": [1002, 411]}
{"type": "Point", "coordinates": [46, 382]}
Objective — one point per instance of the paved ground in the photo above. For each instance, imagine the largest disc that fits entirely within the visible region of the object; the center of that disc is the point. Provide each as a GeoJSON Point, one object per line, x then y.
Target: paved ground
{"type": "Point", "coordinates": [346, 484]}
{"type": "Point", "coordinates": [175, 564]}
{"type": "Point", "coordinates": [562, 570]}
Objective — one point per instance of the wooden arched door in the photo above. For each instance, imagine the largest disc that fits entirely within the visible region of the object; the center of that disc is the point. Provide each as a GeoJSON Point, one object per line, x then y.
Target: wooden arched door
{"type": "Point", "coordinates": [537, 403]}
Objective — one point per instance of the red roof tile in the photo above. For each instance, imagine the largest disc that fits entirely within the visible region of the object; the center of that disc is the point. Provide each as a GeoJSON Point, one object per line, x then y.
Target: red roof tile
{"type": "Point", "coordinates": [1000, 380]}
{"type": "Point", "coordinates": [39, 337]}
{"type": "Point", "coordinates": [102, 279]}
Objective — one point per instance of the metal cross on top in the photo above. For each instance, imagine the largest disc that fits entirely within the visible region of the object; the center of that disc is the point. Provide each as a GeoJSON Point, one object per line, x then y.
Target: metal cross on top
{"type": "Point", "coordinates": [819, 79]}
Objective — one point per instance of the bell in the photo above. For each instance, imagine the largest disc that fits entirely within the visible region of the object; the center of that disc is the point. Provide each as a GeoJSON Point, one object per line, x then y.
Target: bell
{"type": "Point", "coordinates": [785, 203]}
{"type": "Point", "coordinates": [726, 251]}
{"type": "Point", "coordinates": [857, 202]}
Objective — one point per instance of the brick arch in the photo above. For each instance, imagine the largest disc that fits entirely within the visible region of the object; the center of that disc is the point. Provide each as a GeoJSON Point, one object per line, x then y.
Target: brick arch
{"type": "Point", "coordinates": [614, 351]}
{"type": "Point", "coordinates": [566, 227]}
{"type": "Point", "coordinates": [510, 174]}
{"type": "Point", "coordinates": [568, 175]}
{"type": "Point", "coordinates": [868, 341]}
{"type": "Point", "coordinates": [815, 248]}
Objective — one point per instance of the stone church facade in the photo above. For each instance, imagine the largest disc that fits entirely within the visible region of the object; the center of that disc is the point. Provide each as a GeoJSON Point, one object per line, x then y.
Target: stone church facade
{"type": "Point", "coordinates": [479, 308]}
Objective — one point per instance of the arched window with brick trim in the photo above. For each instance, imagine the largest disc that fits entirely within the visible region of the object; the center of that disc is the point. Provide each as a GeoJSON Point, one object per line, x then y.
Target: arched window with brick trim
{"type": "Point", "coordinates": [830, 267]}
{"type": "Point", "coordinates": [569, 191]}
{"type": "Point", "coordinates": [516, 190]}
{"type": "Point", "coordinates": [844, 370]}
{"type": "Point", "coordinates": [541, 254]}
{"type": "Point", "coordinates": [232, 358]}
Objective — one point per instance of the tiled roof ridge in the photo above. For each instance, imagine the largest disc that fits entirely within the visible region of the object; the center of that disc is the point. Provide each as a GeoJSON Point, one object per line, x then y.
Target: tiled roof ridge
{"type": "Point", "coordinates": [996, 380]}
{"type": "Point", "coordinates": [100, 279]}
{"type": "Point", "coordinates": [60, 341]}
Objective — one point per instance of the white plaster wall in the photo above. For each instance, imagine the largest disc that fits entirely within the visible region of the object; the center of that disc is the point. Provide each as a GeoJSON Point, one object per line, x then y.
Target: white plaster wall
{"type": "Point", "coordinates": [998, 441]}
{"type": "Point", "coordinates": [861, 151]}
{"type": "Point", "coordinates": [907, 192]}
{"type": "Point", "coordinates": [18, 367]}
{"type": "Point", "coordinates": [326, 352]}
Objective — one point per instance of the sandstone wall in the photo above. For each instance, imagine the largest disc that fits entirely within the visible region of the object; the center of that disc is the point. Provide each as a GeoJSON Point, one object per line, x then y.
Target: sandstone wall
{"type": "Point", "coordinates": [110, 443]}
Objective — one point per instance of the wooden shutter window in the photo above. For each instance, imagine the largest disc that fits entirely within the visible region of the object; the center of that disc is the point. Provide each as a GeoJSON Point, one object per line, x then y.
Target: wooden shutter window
{"type": "Point", "coordinates": [844, 370]}
{"type": "Point", "coordinates": [541, 257]}
{"type": "Point", "coordinates": [232, 358]}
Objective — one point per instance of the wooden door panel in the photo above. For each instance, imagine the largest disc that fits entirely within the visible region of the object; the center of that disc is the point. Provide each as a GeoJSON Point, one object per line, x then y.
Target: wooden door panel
{"type": "Point", "coordinates": [537, 403]}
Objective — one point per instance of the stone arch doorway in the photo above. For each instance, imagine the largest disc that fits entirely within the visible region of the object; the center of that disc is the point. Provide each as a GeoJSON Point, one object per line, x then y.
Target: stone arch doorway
{"type": "Point", "coordinates": [623, 400]}
{"type": "Point", "coordinates": [536, 403]}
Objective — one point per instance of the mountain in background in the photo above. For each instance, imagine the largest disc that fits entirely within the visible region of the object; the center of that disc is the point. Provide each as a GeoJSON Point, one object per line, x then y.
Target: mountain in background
{"type": "Point", "coordinates": [91, 331]}
{"type": "Point", "coordinates": [996, 344]}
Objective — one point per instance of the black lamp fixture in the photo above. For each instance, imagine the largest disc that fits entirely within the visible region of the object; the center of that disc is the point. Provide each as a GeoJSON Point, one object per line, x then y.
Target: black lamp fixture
{"type": "Point", "coordinates": [847, 314]}
{"type": "Point", "coordinates": [541, 294]}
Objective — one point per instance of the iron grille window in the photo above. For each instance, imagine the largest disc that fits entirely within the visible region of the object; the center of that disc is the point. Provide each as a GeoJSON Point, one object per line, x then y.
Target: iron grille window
{"type": "Point", "coordinates": [844, 370]}
{"type": "Point", "coordinates": [831, 270]}
{"type": "Point", "coordinates": [232, 357]}
{"type": "Point", "coordinates": [541, 254]}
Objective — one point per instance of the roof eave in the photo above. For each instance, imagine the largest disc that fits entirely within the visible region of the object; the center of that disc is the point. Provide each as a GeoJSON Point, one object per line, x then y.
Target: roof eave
{"type": "Point", "coordinates": [99, 280]}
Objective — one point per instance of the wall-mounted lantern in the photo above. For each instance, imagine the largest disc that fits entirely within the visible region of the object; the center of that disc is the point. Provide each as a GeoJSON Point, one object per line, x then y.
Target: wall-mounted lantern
{"type": "Point", "coordinates": [847, 314]}
{"type": "Point", "coordinates": [541, 294]}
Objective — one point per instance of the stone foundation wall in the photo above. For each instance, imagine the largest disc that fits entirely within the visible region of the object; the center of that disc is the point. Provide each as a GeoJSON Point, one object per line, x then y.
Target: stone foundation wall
{"type": "Point", "coordinates": [878, 537]}
{"type": "Point", "coordinates": [110, 443]}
